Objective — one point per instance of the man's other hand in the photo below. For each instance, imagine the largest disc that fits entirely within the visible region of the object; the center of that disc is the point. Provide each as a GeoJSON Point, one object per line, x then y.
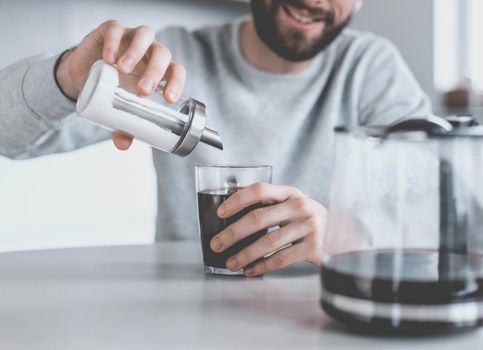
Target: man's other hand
{"type": "Point", "coordinates": [299, 238]}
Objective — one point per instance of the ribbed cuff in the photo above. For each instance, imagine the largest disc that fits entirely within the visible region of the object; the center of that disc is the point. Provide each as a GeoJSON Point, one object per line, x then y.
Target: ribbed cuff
{"type": "Point", "coordinates": [42, 93]}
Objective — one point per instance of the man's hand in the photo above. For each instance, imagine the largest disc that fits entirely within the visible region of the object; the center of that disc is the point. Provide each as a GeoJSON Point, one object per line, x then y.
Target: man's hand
{"type": "Point", "coordinates": [131, 49]}
{"type": "Point", "coordinates": [301, 220]}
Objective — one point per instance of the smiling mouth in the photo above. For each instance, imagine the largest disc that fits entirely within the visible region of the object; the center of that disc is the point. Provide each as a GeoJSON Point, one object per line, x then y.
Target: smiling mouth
{"type": "Point", "coordinates": [302, 18]}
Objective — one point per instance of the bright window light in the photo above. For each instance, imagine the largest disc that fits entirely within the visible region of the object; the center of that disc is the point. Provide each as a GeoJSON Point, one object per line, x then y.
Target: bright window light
{"type": "Point", "coordinates": [476, 43]}
{"type": "Point", "coordinates": [458, 44]}
{"type": "Point", "coordinates": [445, 42]}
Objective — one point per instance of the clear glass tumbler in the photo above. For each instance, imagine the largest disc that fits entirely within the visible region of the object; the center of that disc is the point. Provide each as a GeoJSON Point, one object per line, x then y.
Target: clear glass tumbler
{"type": "Point", "coordinates": [214, 185]}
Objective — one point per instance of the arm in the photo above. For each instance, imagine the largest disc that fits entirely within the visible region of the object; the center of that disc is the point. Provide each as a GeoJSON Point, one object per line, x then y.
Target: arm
{"type": "Point", "coordinates": [36, 100]}
{"type": "Point", "coordinates": [31, 105]}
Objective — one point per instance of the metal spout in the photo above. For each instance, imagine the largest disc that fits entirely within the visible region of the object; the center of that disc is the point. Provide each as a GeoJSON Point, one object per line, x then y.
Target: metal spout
{"type": "Point", "coordinates": [212, 138]}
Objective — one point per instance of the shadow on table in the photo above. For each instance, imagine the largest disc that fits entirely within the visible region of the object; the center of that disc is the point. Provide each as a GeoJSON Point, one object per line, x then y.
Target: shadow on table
{"type": "Point", "coordinates": [297, 270]}
{"type": "Point", "coordinates": [295, 306]}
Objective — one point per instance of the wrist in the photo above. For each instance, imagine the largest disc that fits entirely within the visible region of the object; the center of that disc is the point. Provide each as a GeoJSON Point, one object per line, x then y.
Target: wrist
{"type": "Point", "coordinates": [62, 77]}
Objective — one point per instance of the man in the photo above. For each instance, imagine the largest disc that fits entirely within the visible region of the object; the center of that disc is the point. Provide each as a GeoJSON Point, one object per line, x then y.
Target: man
{"type": "Point", "coordinates": [275, 84]}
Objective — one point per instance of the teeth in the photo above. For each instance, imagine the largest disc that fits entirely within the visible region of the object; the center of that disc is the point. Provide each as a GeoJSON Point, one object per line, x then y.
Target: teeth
{"type": "Point", "coordinates": [300, 18]}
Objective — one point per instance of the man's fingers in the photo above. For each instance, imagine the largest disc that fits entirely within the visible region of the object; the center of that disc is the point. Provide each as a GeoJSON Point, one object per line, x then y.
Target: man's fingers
{"type": "Point", "coordinates": [121, 140]}
{"type": "Point", "coordinates": [283, 258]}
{"type": "Point", "coordinates": [268, 243]}
{"type": "Point", "coordinates": [253, 194]}
{"type": "Point", "coordinates": [175, 78]}
{"type": "Point", "coordinates": [159, 60]}
{"type": "Point", "coordinates": [254, 221]}
{"type": "Point", "coordinates": [141, 41]}
{"type": "Point", "coordinates": [113, 34]}
{"type": "Point", "coordinates": [127, 47]}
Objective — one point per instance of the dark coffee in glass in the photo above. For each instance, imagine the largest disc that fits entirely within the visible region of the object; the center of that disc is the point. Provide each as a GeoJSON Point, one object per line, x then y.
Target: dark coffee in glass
{"type": "Point", "coordinates": [214, 185]}
{"type": "Point", "coordinates": [211, 225]}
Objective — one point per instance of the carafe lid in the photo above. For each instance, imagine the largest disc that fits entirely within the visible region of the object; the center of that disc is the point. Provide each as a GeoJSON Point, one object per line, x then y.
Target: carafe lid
{"type": "Point", "coordinates": [432, 127]}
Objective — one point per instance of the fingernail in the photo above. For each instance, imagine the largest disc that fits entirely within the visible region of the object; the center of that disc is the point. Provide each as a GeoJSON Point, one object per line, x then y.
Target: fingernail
{"type": "Point", "coordinates": [128, 62]}
{"type": "Point", "coordinates": [232, 264]}
{"type": "Point", "coordinates": [171, 95]}
{"type": "Point", "coordinates": [249, 272]}
{"type": "Point", "coordinates": [221, 211]}
{"type": "Point", "coordinates": [147, 85]}
{"type": "Point", "coordinates": [216, 244]}
{"type": "Point", "coordinates": [111, 56]}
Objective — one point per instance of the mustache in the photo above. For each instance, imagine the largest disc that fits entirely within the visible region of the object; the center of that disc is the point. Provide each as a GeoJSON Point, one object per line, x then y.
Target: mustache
{"type": "Point", "coordinates": [325, 15]}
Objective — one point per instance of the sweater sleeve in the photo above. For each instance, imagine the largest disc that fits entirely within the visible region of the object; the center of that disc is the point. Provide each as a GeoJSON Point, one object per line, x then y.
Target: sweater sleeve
{"type": "Point", "coordinates": [35, 117]}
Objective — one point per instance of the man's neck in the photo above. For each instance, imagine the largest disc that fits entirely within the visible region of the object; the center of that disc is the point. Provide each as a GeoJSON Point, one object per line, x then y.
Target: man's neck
{"type": "Point", "coordinates": [258, 54]}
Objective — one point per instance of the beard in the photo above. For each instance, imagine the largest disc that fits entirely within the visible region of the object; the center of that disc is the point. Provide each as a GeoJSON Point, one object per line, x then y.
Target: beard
{"type": "Point", "coordinates": [292, 44]}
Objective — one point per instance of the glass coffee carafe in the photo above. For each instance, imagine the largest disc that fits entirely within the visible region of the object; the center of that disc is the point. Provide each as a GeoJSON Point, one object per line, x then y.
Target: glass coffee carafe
{"type": "Point", "coordinates": [404, 247]}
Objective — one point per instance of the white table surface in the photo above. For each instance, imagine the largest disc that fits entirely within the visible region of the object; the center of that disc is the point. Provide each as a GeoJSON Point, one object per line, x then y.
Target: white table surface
{"type": "Point", "coordinates": [157, 297]}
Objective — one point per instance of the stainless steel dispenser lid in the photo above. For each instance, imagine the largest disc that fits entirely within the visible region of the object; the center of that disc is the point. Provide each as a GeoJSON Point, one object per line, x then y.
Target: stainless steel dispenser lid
{"type": "Point", "coordinates": [195, 130]}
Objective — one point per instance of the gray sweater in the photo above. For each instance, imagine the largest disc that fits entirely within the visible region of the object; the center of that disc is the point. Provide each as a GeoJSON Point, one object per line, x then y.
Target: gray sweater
{"type": "Point", "coordinates": [283, 120]}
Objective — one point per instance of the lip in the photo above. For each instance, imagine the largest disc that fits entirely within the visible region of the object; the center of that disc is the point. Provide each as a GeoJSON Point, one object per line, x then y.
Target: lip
{"type": "Point", "coordinates": [299, 25]}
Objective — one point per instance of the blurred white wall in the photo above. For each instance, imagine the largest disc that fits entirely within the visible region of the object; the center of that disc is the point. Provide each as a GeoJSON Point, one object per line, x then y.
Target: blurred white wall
{"type": "Point", "coordinates": [98, 195]}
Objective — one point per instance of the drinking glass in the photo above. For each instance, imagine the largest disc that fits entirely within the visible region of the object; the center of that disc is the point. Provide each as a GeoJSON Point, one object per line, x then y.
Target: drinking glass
{"type": "Point", "coordinates": [214, 185]}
